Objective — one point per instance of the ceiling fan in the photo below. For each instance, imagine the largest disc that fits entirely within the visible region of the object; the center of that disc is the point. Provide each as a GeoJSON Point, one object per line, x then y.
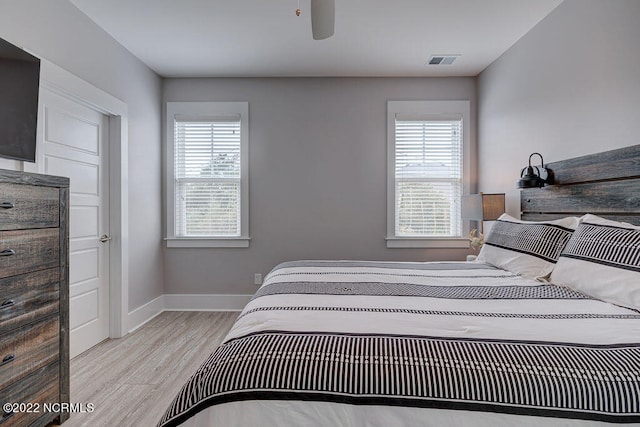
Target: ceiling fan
{"type": "Point", "coordinates": [323, 14]}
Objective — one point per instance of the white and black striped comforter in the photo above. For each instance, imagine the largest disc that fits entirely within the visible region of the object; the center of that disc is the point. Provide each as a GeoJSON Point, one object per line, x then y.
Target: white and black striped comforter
{"type": "Point", "coordinates": [379, 343]}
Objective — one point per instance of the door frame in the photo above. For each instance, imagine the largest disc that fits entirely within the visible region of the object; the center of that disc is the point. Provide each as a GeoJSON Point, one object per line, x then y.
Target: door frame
{"type": "Point", "coordinates": [66, 84]}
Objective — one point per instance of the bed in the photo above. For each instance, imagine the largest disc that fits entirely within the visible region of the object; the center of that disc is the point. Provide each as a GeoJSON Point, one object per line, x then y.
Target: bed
{"type": "Point", "coordinates": [545, 328]}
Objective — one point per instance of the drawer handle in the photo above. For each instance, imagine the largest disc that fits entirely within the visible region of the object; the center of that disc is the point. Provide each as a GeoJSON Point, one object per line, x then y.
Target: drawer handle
{"type": "Point", "coordinates": [8, 358]}
{"type": "Point", "coordinates": [7, 252]}
{"type": "Point", "coordinates": [6, 205]}
{"type": "Point", "coordinates": [8, 303]}
{"type": "Point", "coordinates": [6, 416]}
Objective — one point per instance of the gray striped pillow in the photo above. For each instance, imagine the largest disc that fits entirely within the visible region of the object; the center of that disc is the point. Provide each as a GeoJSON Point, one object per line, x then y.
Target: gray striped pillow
{"type": "Point", "coordinates": [528, 248]}
{"type": "Point", "coordinates": [602, 260]}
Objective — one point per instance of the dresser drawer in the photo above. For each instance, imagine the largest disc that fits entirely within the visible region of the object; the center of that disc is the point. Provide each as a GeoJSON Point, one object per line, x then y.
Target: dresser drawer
{"type": "Point", "coordinates": [28, 206]}
{"type": "Point", "coordinates": [28, 250]}
{"type": "Point", "coordinates": [28, 298]}
{"type": "Point", "coordinates": [37, 388]}
{"type": "Point", "coordinates": [30, 349]}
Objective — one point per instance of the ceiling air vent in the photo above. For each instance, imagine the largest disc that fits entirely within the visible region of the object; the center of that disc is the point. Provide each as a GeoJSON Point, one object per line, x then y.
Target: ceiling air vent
{"type": "Point", "coordinates": [442, 59]}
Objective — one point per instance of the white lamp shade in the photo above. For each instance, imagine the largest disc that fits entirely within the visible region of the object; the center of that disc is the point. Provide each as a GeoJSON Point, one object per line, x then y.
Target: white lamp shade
{"type": "Point", "coordinates": [483, 207]}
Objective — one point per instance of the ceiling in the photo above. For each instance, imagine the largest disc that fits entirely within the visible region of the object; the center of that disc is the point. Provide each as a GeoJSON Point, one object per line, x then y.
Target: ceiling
{"type": "Point", "coordinates": [243, 38]}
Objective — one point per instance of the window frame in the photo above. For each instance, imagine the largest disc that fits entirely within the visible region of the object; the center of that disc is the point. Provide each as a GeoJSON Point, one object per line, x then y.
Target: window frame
{"type": "Point", "coordinates": [199, 110]}
{"type": "Point", "coordinates": [434, 109]}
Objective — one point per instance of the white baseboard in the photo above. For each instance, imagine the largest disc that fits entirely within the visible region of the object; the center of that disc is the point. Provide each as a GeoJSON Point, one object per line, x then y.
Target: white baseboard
{"type": "Point", "coordinates": [143, 314]}
{"type": "Point", "coordinates": [205, 302]}
{"type": "Point", "coordinates": [185, 302]}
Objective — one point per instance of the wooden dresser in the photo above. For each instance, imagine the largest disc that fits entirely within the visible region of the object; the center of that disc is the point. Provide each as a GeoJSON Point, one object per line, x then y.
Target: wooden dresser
{"type": "Point", "coordinates": [34, 298]}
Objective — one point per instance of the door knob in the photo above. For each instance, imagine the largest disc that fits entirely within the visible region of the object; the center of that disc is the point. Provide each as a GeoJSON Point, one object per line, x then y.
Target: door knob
{"type": "Point", "coordinates": [104, 238]}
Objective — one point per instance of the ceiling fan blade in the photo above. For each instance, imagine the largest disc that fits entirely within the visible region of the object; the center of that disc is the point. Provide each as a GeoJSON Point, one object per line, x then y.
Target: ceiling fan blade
{"type": "Point", "coordinates": [323, 14]}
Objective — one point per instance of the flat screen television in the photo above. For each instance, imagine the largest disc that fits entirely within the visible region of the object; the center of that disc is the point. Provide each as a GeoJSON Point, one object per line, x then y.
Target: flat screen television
{"type": "Point", "coordinates": [19, 83]}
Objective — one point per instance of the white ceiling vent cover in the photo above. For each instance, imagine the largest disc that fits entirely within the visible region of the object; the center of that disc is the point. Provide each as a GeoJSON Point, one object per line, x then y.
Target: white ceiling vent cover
{"type": "Point", "coordinates": [442, 59]}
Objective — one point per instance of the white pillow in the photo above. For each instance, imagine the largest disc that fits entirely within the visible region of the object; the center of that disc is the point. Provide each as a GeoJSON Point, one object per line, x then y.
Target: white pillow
{"type": "Point", "coordinates": [602, 260]}
{"type": "Point", "coordinates": [528, 248]}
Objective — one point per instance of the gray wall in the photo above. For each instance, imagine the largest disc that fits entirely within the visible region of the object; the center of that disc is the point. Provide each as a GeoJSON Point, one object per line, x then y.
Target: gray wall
{"type": "Point", "coordinates": [60, 33]}
{"type": "Point", "coordinates": [317, 174]}
{"type": "Point", "coordinates": [569, 87]}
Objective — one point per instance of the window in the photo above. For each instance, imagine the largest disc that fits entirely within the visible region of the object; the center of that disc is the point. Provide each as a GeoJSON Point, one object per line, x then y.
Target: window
{"type": "Point", "coordinates": [207, 179]}
{"type": "Point", "coordinates": [426, 173]}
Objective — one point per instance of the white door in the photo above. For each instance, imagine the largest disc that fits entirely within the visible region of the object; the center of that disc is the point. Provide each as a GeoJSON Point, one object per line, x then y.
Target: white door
{"type": "Point", "coordinates": [73, 143]}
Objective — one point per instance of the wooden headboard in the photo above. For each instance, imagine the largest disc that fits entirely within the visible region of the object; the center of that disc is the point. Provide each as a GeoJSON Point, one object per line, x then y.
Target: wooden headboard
{"type": "Point", "coordinates": [605, 184]}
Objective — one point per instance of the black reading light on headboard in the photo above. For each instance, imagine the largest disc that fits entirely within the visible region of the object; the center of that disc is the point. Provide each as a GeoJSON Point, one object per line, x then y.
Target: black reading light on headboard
{"type": "Point", "coordinates": [535, 177]}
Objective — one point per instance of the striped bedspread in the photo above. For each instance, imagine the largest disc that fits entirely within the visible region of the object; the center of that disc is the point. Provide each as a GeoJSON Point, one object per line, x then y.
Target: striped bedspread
{"type": "Point", "coordinates": [331, 338]}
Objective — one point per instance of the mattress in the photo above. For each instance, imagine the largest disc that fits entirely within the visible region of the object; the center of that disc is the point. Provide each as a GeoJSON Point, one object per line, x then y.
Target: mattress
{"type": "Point", "coordinates": [445, 343]}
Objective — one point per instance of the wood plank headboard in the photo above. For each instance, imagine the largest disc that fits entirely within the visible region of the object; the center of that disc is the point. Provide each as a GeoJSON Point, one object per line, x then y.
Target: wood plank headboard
{"type": "Point", "coordinates": [605, 184]}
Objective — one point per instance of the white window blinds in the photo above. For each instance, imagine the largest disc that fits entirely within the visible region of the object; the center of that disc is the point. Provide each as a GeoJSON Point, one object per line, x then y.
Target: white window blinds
{"type": "Point", "coordinates": [428, 176]}
{"type": "Point", "coordinates": [207, 177]}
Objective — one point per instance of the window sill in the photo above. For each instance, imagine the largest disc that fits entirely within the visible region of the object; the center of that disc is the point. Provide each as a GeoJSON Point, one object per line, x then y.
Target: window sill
{"type": "Point", "coordinates": [197, 242]}
{"type": "Point", "coordinates": [417, 242]}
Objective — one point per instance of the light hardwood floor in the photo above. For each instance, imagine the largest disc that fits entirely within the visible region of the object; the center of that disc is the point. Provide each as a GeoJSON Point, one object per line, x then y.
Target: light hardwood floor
{"type": "Point", "coordinates": [132, 380]}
